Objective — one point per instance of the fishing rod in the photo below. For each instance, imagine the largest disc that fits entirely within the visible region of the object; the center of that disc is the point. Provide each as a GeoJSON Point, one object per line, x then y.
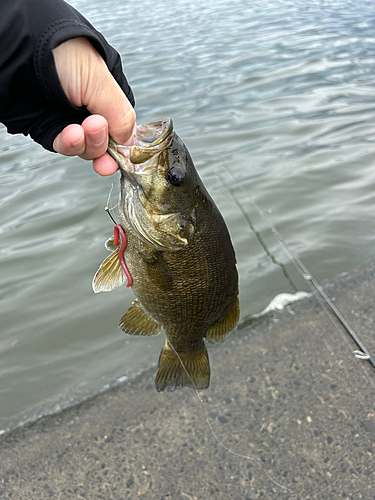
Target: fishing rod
{"type": "Point", "coordinates": [360, 353]}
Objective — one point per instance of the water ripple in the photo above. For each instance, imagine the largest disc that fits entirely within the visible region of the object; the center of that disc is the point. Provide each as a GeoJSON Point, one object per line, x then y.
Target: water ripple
{"type": "Point", "coordinates": [279, 93]}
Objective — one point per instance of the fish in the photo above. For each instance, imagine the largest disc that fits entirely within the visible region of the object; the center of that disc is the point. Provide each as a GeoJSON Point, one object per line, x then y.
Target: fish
{"type": "Point", "coordinates": [178, 258]}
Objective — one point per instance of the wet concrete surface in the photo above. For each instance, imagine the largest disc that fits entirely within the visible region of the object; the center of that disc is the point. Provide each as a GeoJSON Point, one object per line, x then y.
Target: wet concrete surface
{"type": "Point", "coordinates": [289, 414]}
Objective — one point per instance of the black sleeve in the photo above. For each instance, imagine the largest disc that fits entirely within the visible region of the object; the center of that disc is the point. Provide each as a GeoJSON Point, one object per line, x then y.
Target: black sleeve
{"type": "Point", "coordinates": [32, 100]}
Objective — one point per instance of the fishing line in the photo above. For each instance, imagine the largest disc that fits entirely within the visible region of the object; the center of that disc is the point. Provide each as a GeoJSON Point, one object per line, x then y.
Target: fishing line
{"type": "Point", "coordinates": [322, 298]}
{"type": "Point", "coordinates": [109, 213]}
{"type": "Point", "coordinates": [204, 405]}
{"type": "Point", "coordinates": [239, 455]}
{"type": "Point", "coordinates": [361, 353]}
{"type": "Point", "coordinates": [107, 208]}
{"type": "Point", "coordinates": [260, 238]}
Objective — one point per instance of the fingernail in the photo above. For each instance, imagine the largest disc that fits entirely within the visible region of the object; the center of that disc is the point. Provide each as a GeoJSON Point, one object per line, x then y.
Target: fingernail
{"type": "Point", "coordinates": [97, 138]}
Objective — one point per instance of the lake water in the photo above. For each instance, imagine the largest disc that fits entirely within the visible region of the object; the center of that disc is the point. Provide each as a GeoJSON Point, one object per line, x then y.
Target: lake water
{"type": "Point", "coordinates": [275, 101]}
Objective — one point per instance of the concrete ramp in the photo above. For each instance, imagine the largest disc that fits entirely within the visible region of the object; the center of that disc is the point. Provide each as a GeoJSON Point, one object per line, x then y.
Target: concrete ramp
{"type": "Point", "coordinates": [290, 413]}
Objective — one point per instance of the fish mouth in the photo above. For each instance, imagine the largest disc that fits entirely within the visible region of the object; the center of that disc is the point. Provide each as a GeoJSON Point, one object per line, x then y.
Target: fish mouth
{"type": "Point", "coordinates": [142, 158]}
{"type": "Point", "coordinates": [149, 140]}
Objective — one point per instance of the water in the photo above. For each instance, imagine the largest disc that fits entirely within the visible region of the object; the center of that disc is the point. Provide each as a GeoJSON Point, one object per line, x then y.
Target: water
{"type": "Point", "coordinates": [273, 99]}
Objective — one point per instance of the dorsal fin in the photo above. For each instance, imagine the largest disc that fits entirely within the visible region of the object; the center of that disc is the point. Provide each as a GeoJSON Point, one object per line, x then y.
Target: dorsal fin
{"type": "Point", "coordinates": [221, 329]}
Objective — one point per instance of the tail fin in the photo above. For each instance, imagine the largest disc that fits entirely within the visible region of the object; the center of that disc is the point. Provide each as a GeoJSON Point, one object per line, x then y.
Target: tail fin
{"type": "Point", "coordinates": [194, 373]}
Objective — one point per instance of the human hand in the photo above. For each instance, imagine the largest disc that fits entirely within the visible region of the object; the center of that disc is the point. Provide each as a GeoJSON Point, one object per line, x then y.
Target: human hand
{"type": "Point", "coordinates": [87, 81]}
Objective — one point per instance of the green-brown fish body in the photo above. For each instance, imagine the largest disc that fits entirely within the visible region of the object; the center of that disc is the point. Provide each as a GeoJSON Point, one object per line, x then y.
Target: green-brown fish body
{"type": "Point", "coordinates": [179, 255]}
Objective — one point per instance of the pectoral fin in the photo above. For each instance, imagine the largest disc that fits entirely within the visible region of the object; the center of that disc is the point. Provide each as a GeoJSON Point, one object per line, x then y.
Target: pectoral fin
{"type": "Point", "coordinates": [109, 275]}
{"type": "Point", "coordinates": [185, 370]}
{"type": "Point", "coordinates": [221, 329]}
{"type": "Point", "coordinates": [137, 322]}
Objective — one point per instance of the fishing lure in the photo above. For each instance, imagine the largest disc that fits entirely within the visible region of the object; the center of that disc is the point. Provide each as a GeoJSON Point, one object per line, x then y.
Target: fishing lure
{"type": "Point", "coordinates": [119, 236]}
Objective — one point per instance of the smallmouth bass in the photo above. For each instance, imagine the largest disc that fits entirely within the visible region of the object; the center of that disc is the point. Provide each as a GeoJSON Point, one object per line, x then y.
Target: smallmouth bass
{"type": "Point", "coordinates": [178, 253]}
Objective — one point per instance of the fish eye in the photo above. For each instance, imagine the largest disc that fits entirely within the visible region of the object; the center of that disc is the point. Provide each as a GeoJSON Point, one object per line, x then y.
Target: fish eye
{"type": "Point", "coordinates": [176, 176]}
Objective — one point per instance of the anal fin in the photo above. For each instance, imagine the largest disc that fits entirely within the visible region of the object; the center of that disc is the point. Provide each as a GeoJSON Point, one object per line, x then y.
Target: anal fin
{"type": "Point", "coordinates": [221, 329]}
{"type": "Point", "coordinates": [194, 373]}
{"type": "Point", "coordinates": [137, 322]}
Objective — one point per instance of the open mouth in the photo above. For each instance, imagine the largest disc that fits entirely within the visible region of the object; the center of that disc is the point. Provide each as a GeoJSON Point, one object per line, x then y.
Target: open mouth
{"type": "Point", "coordinates": [149, 140]}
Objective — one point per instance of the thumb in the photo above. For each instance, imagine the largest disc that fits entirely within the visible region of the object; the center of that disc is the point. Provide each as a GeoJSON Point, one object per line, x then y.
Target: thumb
{"type": "Point", "coordinates": [88, 82]}
{"type": "Point", "coordinates": [103, 96]}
